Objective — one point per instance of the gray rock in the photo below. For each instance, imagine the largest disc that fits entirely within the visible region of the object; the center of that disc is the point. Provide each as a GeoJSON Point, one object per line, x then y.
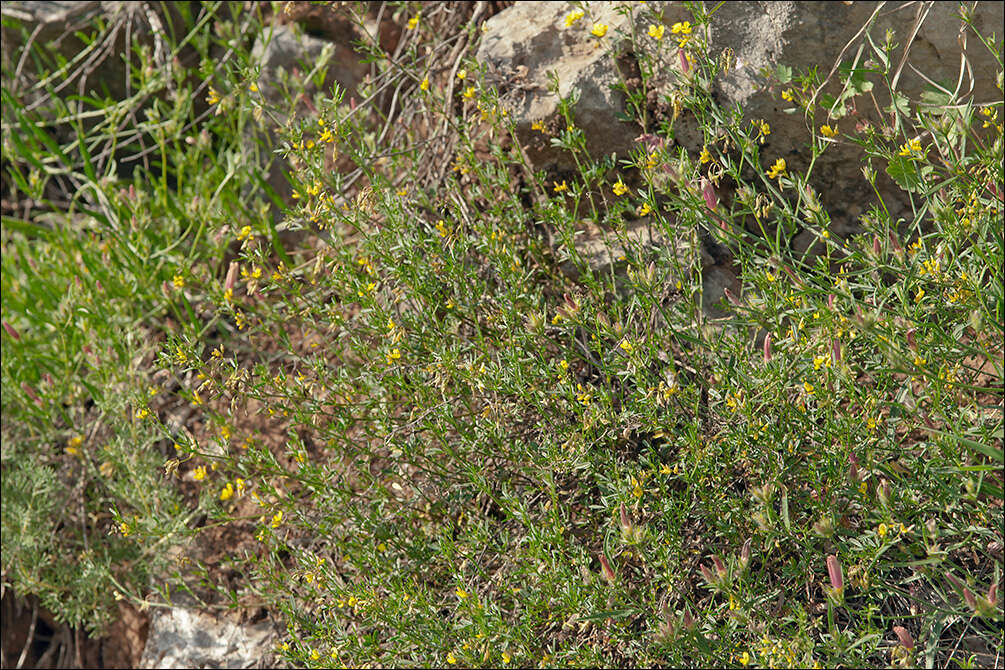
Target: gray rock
{"type": "Point", "coordinates": [181, 637]}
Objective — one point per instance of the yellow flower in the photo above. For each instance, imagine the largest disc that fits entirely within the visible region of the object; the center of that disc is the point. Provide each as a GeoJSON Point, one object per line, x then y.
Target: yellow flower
{"type": "Point", "coordinates": [656, 32]}
{"type": "Point", "coordinates": [277, 518]}
{"type": "Point", "coordinates": [919, 295]}
{"type": "Point", "coordinates": [253, 87]}
{"type": "Point", "coordinates": [461, 593]}
{"type": "Point", "coordinates": [537, 125]}
{"type": "Point", "coordinates": [599, 29]}
{"type": "Point", "coordinates": [681, 28]}
{"type": "Point", "coordinates": [705, 155]}
{"type": "Point", "coordinates": [212, 97]}
{"type": "Point", "coordinates": [559, 188]}
{"type": "Point", "coordinates": [744, 659]}
{"type": "Point", "coordinates": [882, 530]}
{"type": "Point", "coordinates": [573, 16]}
{"type": "Point", "coordinates": [413, 22]}
{"type": "Point", "coordinates": [620, 188]}
{"type": "Point", "coordinates": [200, 473]}
{"type": "Point", "coordinates": [626, 346]}
{"type": "Point", "coordinates": [506, 657]}
{"type": "Point", "coordinates": [827, 131]}
{"type": "Point", "coordinates": [424, 86]}
{"type": "Point", "coordinates": [441, 228]}
{"type": "Point", "coordinates": [228, 492]}
{"type": "Point", "coordinates": [644, 209]}
{"type": "Point", "coordinates": [462, 74]}
{"type": "Point", "coordinates": [911, 148]}
{"type": "Point", "coordinates": [394, 355]}
{"type": "Point", "coordinates": [787, 95]}
{"type": "Point", "coordinates": [469, 92]}
{"type": "Point", "coordinates": [808, 387]}
{"type": "Point", "coordinates": [777, 169]}
{"type": "Point", "coordinates": [451, 659]}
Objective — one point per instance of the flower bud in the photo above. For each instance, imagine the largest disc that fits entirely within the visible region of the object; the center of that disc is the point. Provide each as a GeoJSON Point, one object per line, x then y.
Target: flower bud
{"type": "Point", "coordinates": [767, 347]}
{"type": "Point", "coordinates": [836, 576]}
{"type": "Point", "coordinates": [607, 571]}
{"type": "Point", "coordinates": [745, 555]}
{"type": "Point", "coordinates": [11, 331]}
{"type": "Point", "coordinates": [905, 638]}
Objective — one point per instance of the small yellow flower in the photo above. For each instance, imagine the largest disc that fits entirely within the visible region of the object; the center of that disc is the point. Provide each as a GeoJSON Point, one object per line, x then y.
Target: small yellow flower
{"type": "Point", "coordinates": [559, 188]}
{"type": "Point", "coordinates": [461, 593]}
{"type": "Point", "coordinates": [744, 659]}
{"type": "Point", "coordinates": [599, 29]}
{"type": "Point", "coordinates": [462, 74]}
{"type": "Point", "coordinates": [911, 148]}
{"type": "Point", "coordinates": [228, 492]}
{"type": "Point", "coordinates": [200, 473]}
{"type": "Point", "coordinates": [808, 387]}
{"type": "Point", "coordinates": [656, 32]}
{"type": "Point", "coordinates": [827, 131]}
{"type": "Point", "coordinates": [777, 169]}
{"type": "Point", "coordinates": [787, 95]}
{"type": "Point", "coordinates": [178, 281]}
{"type": "Point", "coordinates": [573, 16]}
{"type": "Point", "coordinates": [277, 519]}
{"type": "Point", "coordinates": [563, 364]}
{"type": "Point", "coordinates": [451, 659]}
{"type": "Point", "coordinates": [882, 530]}
{"type": "Point", "coordinates": [644, 209]}
{"type": "Point", "coordinates": [626, 345]}
{"type": "Point", "coordinates": [705, 156]}
{"type": "Point", "coordinates": [469, 92]}
{"type": "Point", "coordinates": [424, 86]}
{"type": "Point", "coordinates": [537, 125]}
{"type": "Point", "coordinates": [212, 97]}
{"type": "Point", "coordinates": [919, 295]}
{"type": "Point", "coordinates": [620, 188]}
{"type": "Point", "coordinates": [394, 355]}
{"type": "Point", "coordinates": [681, 28]}
{"type": "Point", "coordinates": [506, 657]}
{"type": "Point", "coordinates": [413, 22]}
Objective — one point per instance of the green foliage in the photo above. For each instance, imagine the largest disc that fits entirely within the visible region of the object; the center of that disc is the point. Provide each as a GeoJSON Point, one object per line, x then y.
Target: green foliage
{"type": "Point", "coordinates": [447, 431]}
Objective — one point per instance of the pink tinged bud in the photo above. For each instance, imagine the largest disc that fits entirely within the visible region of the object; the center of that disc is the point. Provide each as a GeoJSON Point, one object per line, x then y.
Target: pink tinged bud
{"type": "Point", "coordinates": [687, 620]}
{"type": "Point", "coordinates": [993, 594]}
{"type": "Point", "coordinates": [626, 521]}
{"type": "Point", "coordinates": [720, 569]}
{"type": "Point", "coordinates": [708, 192]}
{"type": "Point", "coordinates": [884, 491]}
{"type": "Point", "coordinates": [767, 347]}
{"type": "Point", "coordinates": [835, 574]}
{"type": "Point", "coordinates": [894, 243]}
{"type": "Point", "coordinates": [732, 298]}
{"type": "Point", "coordinates": [47, 378]}
{"type": "Point", "coordinates": [745, 555]}
{"type": "Point", "coordinates": [969, 597]}
{"type": "Point", "coordinates": [835, 352]}
{"type": "Point", "coordinates": [352, 103]}
{"type": "Point", "coordinates": [911, 342]}
{"type": "Point", "coordinates": [707, 574]}
{"type": "Point", "coordinates": [996, 190]}
{"type": "Point", "coordinates": [605, 567]}
{"type": "Point", "coordinates": [830, 300]}
{"type": "Point", "coordinates": [876, 249]}
{"type": "Point", "coordinates": [685, 65]}
{"type": "Point", "coordinates": [906, 641]}
{"type": "Point", "coordinates": [228, 284]}
{"type": "Point", "coordinates": [30, 392]}
{"type": "Point", "coordinates": [11, 331]}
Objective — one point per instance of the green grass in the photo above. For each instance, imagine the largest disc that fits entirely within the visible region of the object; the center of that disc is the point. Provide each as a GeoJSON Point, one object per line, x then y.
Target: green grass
{"type": "Point", "coordinates": [419, 441]}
